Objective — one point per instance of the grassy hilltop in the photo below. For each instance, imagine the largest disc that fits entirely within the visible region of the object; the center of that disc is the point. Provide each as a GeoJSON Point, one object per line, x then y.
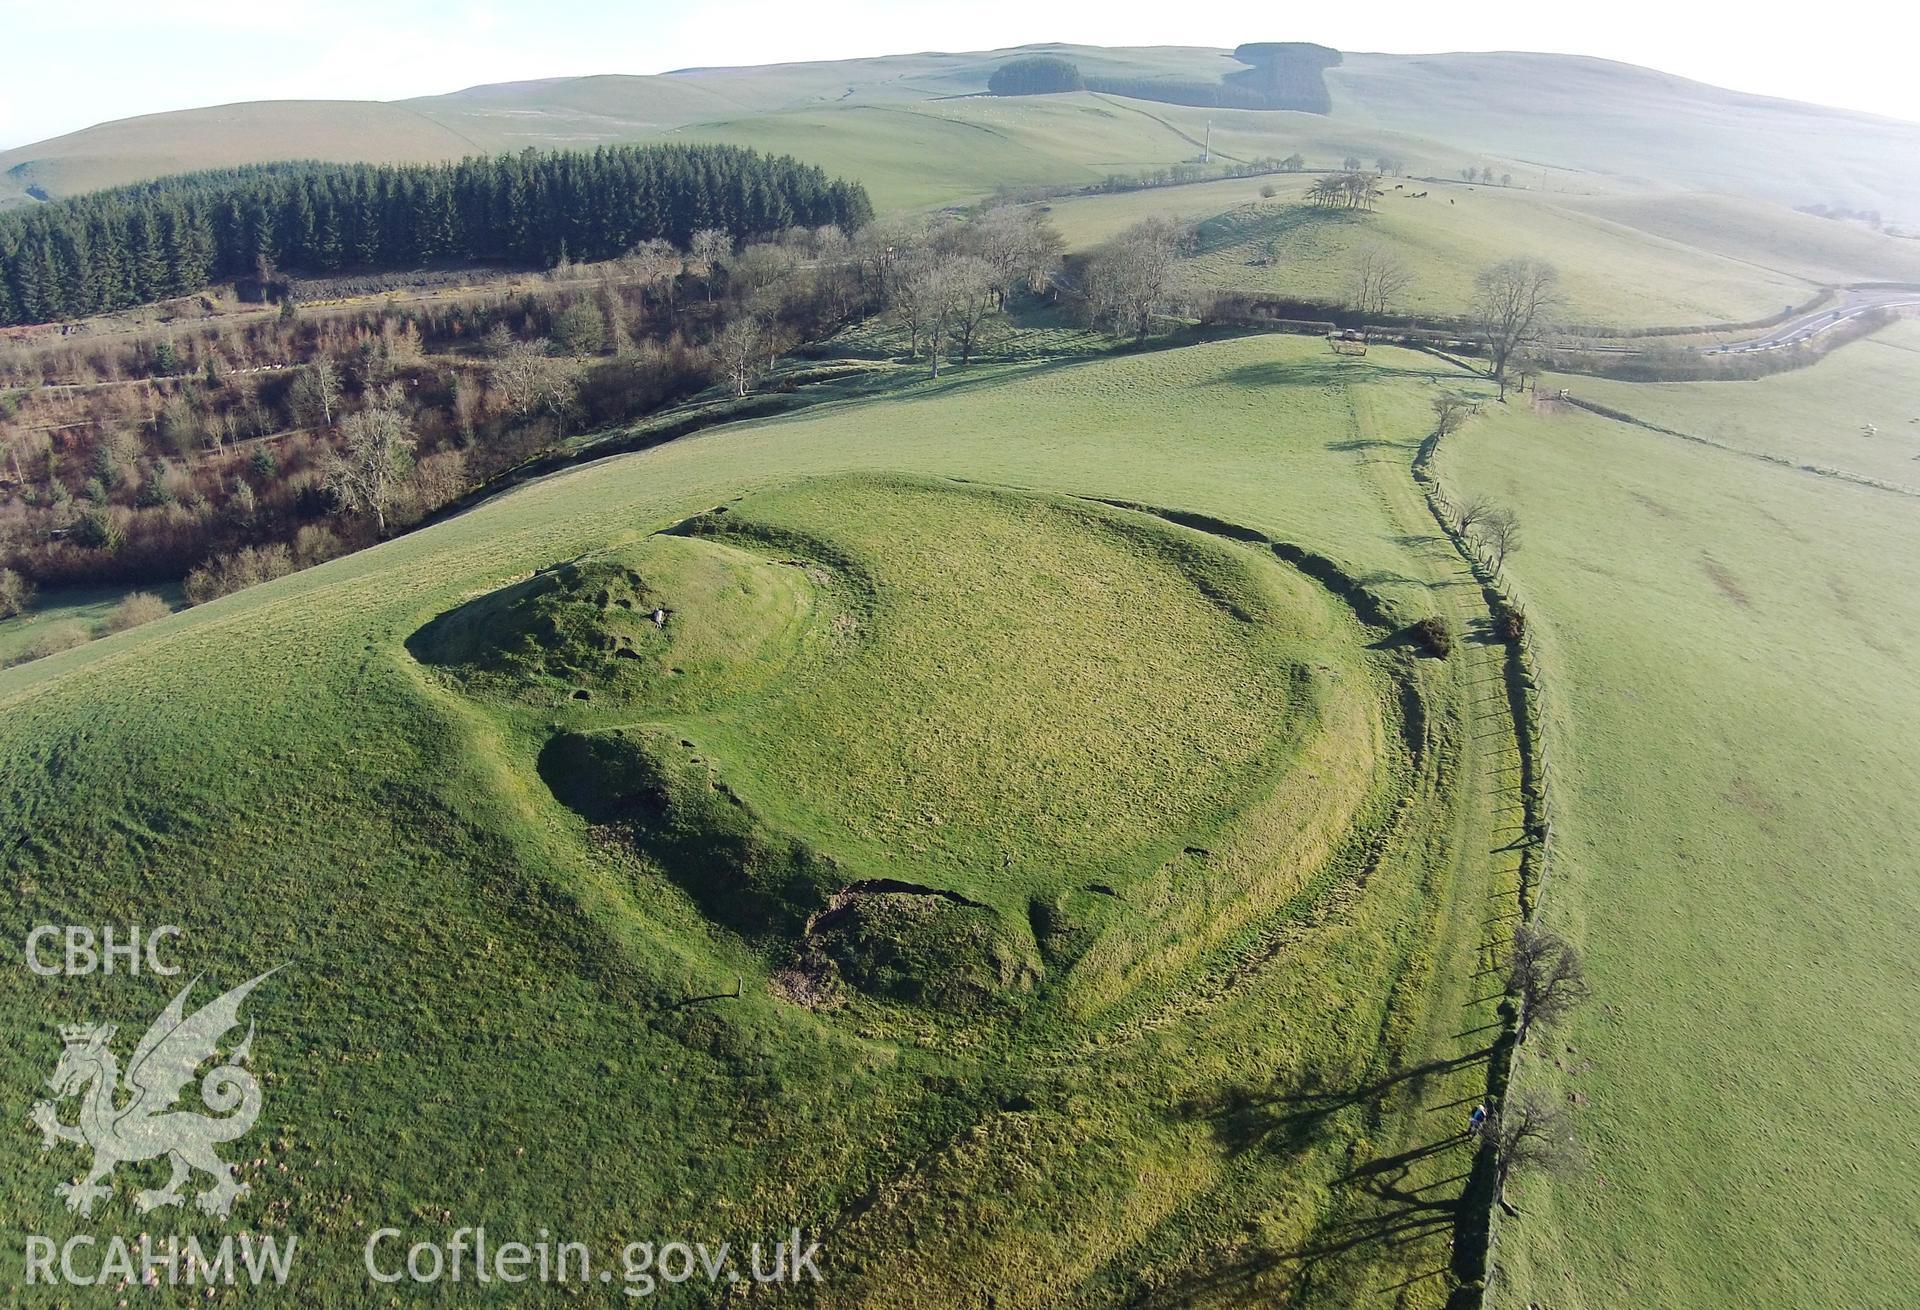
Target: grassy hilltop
{"type": "Point", "coordinates": [1145, 940]}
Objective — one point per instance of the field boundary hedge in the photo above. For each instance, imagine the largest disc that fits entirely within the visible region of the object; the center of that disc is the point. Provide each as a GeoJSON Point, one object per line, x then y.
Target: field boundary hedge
{"type": "Point", "coordinates": [1527, 708]}
{"type": "Point", "coordinates": [1818, 470]}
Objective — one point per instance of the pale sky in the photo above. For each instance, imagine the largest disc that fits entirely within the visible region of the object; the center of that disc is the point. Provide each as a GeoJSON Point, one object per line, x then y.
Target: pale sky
{"type": "Point", "coordinates": [66, 66]}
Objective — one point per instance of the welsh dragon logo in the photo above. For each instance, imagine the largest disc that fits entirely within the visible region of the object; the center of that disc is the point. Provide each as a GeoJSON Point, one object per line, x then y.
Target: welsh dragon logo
{"type": "Point", "coordinates": [147, 1126]}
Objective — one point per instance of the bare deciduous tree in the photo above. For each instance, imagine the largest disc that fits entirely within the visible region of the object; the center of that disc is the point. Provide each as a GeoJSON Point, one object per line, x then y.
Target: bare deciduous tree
{"type": "Point", "coordinates": [16, 593]}
{"type": "Point", "coordinates": [740, 352]}
{"type": "Point", "coordinates": [974, 291]}
{"type": "Point", "coordinates": [316, 391]}
{"type": "Point", "coordinates": [1449, 412]}
{"type": "Point", "coordinates": [531, 378]}
{"type": "Point", "coordinates": [657, 263]}
{"type": "Point", "coordinates": [1469, 512]}
{"type": "Point", "coordinates": [466, 400]}
{"type": "Point", "coordinates": [829, 245]}
{"type": "Point", "coordinates": [1377, 281]}
{"type": "Point", "coordinates": [761, 265]}
{"type": "Point", "coordinates": [711, 246]}
{"type": "Point", "coordinates": [1510, 301]}
{"type": "Point", "coordinates": [366, 476]}
{"type": "Point", "coordinates": [1499, 535]}
{"type": "Point", "coordinates": [882, 249]}
{"type": "Point", "coordinates": [1546, 977]}
{"type": "Point", "coordinates": [910, 292]}
{"type": "Point", "coordinates": [1529, 1132]}
{"type": "Point", "coordinates": [926, 288]}
{"type": "Point", "coordinates": [1019, 245]}
{"type": "Point", "coordinates": [934, 289]}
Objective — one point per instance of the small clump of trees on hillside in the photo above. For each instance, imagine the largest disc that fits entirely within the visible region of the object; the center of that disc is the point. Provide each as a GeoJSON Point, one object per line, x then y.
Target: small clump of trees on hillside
{"type": "Point", "coordinates": [946, 282]}
{"type": "Point", "coordinates": [1137, 276]}
{"type": "Point", "coordinates": [1035, 75]}
{"type": "Point", "coordinates": [1352, 189]}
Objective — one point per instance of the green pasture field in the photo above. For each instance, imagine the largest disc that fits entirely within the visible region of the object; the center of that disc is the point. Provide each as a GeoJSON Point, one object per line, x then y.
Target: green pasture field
{"type": "Point", "coordinates": [1215, 930]}
{"type": "Point", "coordinates": [1857, 412]}
{"type": "Point", "coordinates": [1728, 655]}
{"type": "Point", "coordinates": [1768, 236]}
{"type": "Point", "coordinates": [1612, 274]}
{"type": "Point", "coordinates": [74, 612]}
{"type": "Point", "coordinates": [912, 158]}
{"type": "Point", "coordinates": [922, 154]}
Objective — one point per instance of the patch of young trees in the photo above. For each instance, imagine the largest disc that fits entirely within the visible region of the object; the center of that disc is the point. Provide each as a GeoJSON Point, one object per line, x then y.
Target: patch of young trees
{"type": "Point", "coordinates": [131, 245]}
{"type": "Point", "coordinates": [202, 447]}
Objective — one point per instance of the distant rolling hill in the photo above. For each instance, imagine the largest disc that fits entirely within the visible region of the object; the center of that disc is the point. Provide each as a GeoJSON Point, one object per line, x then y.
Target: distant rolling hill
{"type": "Point", "coordinates": [1562, 111]}
{"type": "Point", "coordinates": [919, 130]}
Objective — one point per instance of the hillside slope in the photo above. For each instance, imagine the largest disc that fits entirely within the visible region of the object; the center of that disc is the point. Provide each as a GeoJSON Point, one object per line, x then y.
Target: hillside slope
{"type": "Point", "coordinates": [1555, 113]}
{"type": "Point", "coordinates": [222, 136]}
{"type": "Point", "coordinates": [1093, 928]}
{"type": "Point", "coordinates": [1563, 111]}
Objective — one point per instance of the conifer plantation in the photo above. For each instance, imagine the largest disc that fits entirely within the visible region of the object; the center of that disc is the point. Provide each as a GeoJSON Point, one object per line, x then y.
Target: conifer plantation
{"type": "Point", "coordinates": [131, 245]}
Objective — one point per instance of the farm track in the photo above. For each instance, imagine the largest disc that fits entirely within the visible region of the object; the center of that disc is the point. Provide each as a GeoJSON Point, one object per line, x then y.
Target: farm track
{"type": "Point", "coordinates": [1406, 1225]}
{"type": "Point", "coordinates": [1412, 1214]}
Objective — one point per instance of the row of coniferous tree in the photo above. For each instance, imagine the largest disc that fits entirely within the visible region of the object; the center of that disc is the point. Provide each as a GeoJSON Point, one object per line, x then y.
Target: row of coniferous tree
{"type": "Point", "coordinates": [131, 245]}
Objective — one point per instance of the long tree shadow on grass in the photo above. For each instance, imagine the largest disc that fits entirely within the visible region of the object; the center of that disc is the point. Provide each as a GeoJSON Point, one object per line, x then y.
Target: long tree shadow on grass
{"type": "Point", "coordinates": [1355, 445]}
{"type": "Point", "coordinates": [1383, 1212]}
{"type": "Point", "coordinates": [1330, 371]}
{"type": "Point", "coordinates": [1379, 1207]}
{"type": "Point", "coordinates": [1243, 1118]}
